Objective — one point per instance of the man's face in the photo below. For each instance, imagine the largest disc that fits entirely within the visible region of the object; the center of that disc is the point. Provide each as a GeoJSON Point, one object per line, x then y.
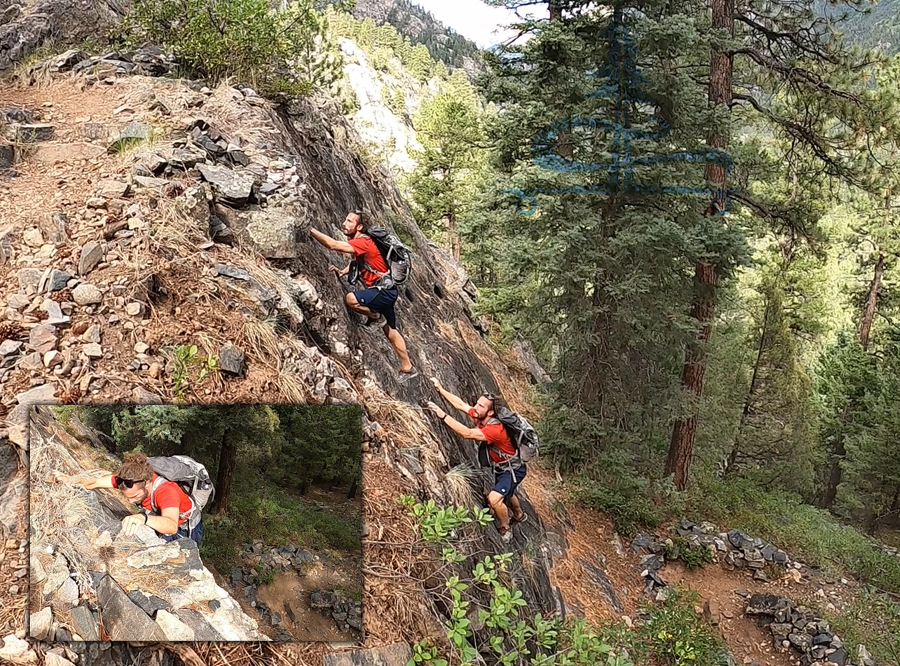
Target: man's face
{"type": "Point", "coordinates": [137, 493]}
{"type": "Point", "coordinates": [483, 408]}
{"type": "Point", "coordinates": [351, 225]}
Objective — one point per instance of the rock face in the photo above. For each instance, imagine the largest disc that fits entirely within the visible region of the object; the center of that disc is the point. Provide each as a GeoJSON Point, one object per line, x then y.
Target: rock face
{"type": "Point", "coordinates": [375, 122]}
{"type": "Point", "coordinates": [303, 171]}
{"type": "Point", "coordinates": [68, 21]}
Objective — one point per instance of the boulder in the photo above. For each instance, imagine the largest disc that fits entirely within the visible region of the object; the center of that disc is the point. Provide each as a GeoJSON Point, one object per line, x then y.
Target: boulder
{"type": "Point", "coordinates": [274, 233]}
{"type": "Point", "coordinates": [122, 618]}
{"type": "Point", "coordinates": [231, 187]}
{"type": "Point", "coordinates": [39, 623]}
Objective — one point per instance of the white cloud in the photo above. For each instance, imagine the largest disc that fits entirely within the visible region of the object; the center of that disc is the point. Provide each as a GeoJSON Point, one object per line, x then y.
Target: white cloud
{"type": "Point", "coordinates": [473, 19]}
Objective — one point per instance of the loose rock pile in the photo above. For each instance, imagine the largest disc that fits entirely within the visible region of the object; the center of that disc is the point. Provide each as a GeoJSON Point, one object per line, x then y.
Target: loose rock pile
{"type": "Point", "coordinates": [800, 629]}
{"type": "Point", "coordinates": [740, 551]}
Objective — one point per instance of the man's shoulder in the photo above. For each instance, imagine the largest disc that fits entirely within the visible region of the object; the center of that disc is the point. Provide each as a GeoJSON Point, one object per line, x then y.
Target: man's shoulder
{"type": "Point", "coordinates": [361, 243]}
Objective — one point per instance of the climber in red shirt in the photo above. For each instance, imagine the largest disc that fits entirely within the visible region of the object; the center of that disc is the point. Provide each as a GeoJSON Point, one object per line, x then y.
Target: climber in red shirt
{"type": "Point", "coordinates": [376, 300]}
{"type": "Point", "coordinates": [167, 509]}
{"type": "Point", "coordinates": [509, 469]}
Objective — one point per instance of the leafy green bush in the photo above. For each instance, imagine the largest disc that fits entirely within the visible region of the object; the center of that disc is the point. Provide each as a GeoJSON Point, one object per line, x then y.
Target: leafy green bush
{"type": "Point", "coordinates": [676, 635]}
{"type": "Point", "coordinates": [244, 39]}
{"type": "Point", "coordinates": [627, 507]}
{"type": "Point", "coordinates": [693, 556]}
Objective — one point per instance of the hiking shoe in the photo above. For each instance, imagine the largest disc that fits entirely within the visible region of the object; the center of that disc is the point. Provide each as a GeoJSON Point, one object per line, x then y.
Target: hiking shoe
{"type": "Point", "coordinates": [375, 321]}
{"type": "Point", "coordinates": [513, 520]}
{"type": "Point", "coordinates": [406, 375]}
{"type": "Point", "coordinates": [506, 535]}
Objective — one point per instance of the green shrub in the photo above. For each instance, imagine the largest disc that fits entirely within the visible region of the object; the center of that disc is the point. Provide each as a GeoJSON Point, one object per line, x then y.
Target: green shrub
{"type": "Point", "coordinates": [628, 508]}
{"type": "Point", "coordinates": [693, 556]}
{"type": "Point", "coordinates": [807, 533]}
{"type": "Point", "coordinates": [243, 39]}
{"type": "Point", "coordinates": [676, 635]}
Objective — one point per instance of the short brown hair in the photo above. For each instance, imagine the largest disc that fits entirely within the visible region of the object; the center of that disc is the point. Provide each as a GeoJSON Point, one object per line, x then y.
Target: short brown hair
{"type": "Point", "coordinates": [136, 467]}
{"type": "Point", "coordinates": [363, 220]}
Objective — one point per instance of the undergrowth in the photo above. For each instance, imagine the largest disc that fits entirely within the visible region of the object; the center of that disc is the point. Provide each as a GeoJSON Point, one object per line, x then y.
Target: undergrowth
{"type": "Point", "coordinates": [488, 620]}
{"type": "Point", "coordinates": [257, 511]}
{"type": "Point", "coordinates": [807, 533]}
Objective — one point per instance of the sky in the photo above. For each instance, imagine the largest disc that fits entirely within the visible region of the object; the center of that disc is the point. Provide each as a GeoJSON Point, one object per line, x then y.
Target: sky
{"type": "Point", "coordinates": [472, 19]}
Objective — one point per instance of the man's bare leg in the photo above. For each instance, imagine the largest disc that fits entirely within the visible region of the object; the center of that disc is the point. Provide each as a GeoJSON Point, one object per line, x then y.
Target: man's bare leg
{"type": "Point", "coordinates": [495, 500]}
{"type": "Point", "coordinates": [356, 306]}
{"type": "Point", "coordinates": [399, 345]}
{"type": "Point", "coordinates": [516, 507]}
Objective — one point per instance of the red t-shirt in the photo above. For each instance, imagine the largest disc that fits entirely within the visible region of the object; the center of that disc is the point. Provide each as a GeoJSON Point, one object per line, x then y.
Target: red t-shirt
{"type": "Point", "coordinates": [168, 494]}
{"type": "Point", "coordinates": [365, 247]}
{"type": "Point", "coordinates": [496, 436]}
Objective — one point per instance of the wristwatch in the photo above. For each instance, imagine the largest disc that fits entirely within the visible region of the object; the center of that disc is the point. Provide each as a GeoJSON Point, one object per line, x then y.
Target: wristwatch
{"type": "Point", "coordinates": [444, 417]}
{"type": "Point", "coordinates": [145, 519]}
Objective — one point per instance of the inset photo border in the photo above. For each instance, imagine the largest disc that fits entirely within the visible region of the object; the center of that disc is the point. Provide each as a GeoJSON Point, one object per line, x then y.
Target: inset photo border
{"type": "Point", "coordinates": [195, 523]}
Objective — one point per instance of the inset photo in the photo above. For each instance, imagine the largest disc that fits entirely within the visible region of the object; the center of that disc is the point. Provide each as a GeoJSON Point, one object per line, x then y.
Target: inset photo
{"type": "Point", "coordinates": [195, 523]}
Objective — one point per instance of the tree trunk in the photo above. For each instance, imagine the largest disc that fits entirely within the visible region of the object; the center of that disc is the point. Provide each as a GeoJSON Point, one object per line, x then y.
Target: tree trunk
{"type": "Point", "coordinates": [865, 326]}
{"type": "Point", "coordinates": [834, 476]}
{"type": "Point", "coordinates": [351, 494]}
{"type": "Point", "coordinates": [745, 412]}
{"type": "Point", "coordinates": [555, 9]}
{"type": "Point", "coordinates": [563, 141]}
{"type": "Point", "coordinates": [705, 275]}
{"type": "Point", "coordinates": [692, 376]}
{"type": "Point", "coordinates": [452, 232]}
{"type": "Point", "coordinates": [227, 458]}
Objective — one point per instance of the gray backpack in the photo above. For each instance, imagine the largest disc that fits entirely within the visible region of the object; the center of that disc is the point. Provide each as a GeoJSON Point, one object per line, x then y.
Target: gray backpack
{"type": "Point", "coordinates": [191, 477]}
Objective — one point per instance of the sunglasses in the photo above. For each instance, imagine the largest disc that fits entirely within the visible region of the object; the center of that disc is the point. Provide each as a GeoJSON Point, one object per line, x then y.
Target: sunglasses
{"type": "Point", "coordinates": [128, 483]}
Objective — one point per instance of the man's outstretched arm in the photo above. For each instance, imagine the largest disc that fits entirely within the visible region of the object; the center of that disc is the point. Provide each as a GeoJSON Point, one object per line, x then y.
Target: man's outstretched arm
{"type": "Point", "coordinates": [331, 243]}
{"type": "Point", "coordinates": [94, 482]}
{"type": "Point", "coordinates": [455, 400]}
{"type": "Point", "coordinates": [463, 431]}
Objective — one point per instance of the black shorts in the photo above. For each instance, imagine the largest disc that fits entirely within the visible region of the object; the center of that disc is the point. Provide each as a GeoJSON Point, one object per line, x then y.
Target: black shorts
{"type": "Point", "coordinates": [380, 301]}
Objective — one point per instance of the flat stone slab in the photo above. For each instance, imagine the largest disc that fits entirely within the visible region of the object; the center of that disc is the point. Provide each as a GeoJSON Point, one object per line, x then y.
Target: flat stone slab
{"type": "Point", "coordinates": [122, 618]}
{"type": "Point", "coordinates": [397, 654]}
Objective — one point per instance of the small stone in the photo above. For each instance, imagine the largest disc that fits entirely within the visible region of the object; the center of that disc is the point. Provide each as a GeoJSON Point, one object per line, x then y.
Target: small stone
{"type": "Point", "coordinates": [33, 237]}
{"type": "Point", "coordinates": [58, 281]}
{"type": "Point", "coordinates": [141, 348]}
{"type": "Point", "coordinates": [711, 612]}
{"type": "Point", "coordinates": [214, 604]}
{"type": "Point", "coordinates": [154, 370]}
{"type": "Point", "coordinates": [91, 334]}
{"type": "Point", "coordinates": [134, 309]}
{"type": "Point", "coordinates": [79, 328]}
{"type": "Point", "coordinates": [55, 316]}
{"type": "Point", "coordinates": [40, 623]}
{"type": "Point", "coordinates": [112, 189]}
{"type": "Point", "coordinates": [33, 361]}
{"type": "Point", "coordinates": [93, 350]}
{"type": "Point", "coordinates": [95, 202]}
{"type": "Point", "coordinates": [91, 255]}
{"type": "Point", "coordinates": [231, 359]}
{"type": "Point", "coordinates": [52, 359]}
{"type": "Point", "coordinates": [43, 338]}
{"type": "Point", "coordinates": [10, 347]}
{"type": "Point", "coordinates": [87, 294]}
{"type": "Point", "coordinates": [18, 301]}
{"type": "Point", "coordinates": [30, 277]}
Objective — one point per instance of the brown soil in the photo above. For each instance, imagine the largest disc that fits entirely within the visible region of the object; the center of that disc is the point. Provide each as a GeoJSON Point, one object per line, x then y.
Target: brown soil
{"type": "Point", "coordinates": [290, 591]}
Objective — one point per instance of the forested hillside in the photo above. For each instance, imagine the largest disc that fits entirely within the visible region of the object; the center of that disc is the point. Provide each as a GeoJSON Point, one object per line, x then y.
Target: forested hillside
{"type": "Point", "coordinates": [873, 25]}
{"type": "Point", "coordinates": [420, 27]}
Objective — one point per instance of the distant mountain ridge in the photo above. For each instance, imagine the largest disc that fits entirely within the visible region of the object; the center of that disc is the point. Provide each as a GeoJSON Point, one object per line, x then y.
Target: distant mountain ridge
{"type": "Point", "coordinates": [880, 28]}
{"type": "Point", "coordinates": [443, 43]}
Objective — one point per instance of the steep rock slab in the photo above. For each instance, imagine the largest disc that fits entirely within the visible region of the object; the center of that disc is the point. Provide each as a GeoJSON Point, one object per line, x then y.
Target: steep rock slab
{"type": "Point", "coordinates": [122, 618]}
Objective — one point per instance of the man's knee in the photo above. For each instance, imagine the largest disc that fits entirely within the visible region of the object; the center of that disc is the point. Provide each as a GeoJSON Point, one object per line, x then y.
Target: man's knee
{"type": "Point", "coordinates": [495, 499]}
{"type": "Point", "coordinates": [350, 299]}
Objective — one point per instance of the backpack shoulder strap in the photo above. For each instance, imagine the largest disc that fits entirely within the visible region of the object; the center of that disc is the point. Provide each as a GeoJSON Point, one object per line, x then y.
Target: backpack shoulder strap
{"type": "Point", "coordinates": [157, 482]}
